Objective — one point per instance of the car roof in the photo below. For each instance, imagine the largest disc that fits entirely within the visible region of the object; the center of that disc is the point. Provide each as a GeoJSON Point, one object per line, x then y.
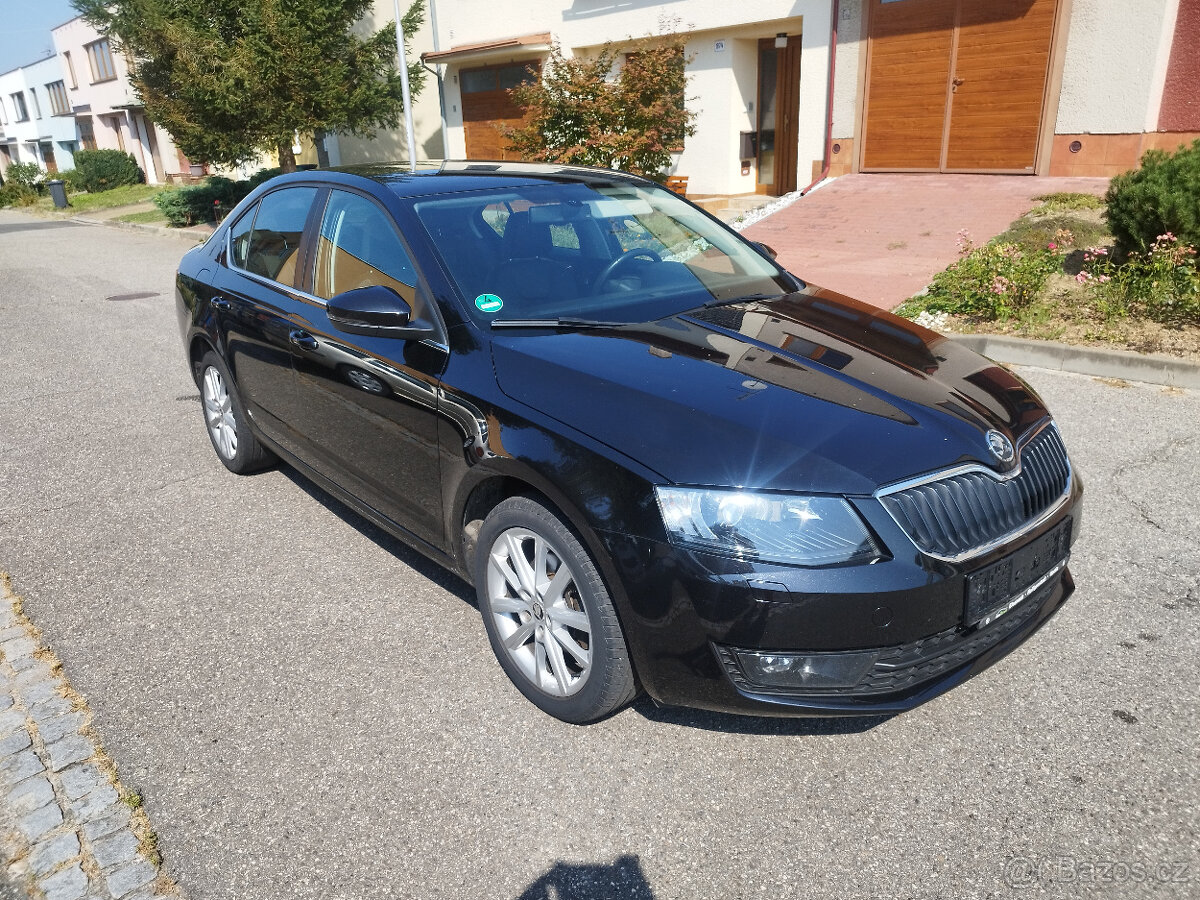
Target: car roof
{"type": "Point", "coordinates": [470, 175]}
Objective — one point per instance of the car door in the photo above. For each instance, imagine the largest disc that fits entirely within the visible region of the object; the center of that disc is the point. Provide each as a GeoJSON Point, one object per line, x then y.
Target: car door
{"type": "Point", "coordinates": [370, 403]}
{"type": "Point", "coordinates": [255, 302]}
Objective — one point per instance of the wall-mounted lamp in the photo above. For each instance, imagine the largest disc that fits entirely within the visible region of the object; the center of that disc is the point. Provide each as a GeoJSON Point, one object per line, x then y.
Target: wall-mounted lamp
{"type": "Point", "coordinates": [781, 40]}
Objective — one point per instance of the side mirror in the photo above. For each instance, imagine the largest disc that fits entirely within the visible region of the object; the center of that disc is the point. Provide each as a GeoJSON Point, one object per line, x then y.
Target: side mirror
{"type": "Point", "coordinates": [378, 311]}
{"type": "Point", "coordinates": [766, 249]}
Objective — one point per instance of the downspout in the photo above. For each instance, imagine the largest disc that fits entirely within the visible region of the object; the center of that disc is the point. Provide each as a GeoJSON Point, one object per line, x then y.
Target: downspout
{"type": "Point", "coordinates": [833, 40]}
{"type": "Point", "coordinates": [433, 24]}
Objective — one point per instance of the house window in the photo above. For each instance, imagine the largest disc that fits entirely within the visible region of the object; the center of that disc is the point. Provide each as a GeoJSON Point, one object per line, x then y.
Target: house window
{"type": "Point", "coordinates": [70, 70]}
{"type": "Point", "coordinates": [59, 104]}
{"type": "Point", "coordinates": [87, 135]}
{"type": "Point", "coordinates": [20, 112]}
{"type": "Point", "coordinates": [37, 107]}
{"type": "Point", "coordinates": [100, 57]}
{"type": "Point", "coordinates": [3, 113]}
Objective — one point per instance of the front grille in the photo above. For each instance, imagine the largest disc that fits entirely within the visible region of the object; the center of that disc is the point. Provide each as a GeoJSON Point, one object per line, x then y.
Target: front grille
{"type": "Point", "coordinates": [953, 517]}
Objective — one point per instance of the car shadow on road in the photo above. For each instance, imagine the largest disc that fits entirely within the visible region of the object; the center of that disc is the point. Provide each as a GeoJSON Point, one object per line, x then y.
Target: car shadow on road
{"type": "Point", "coordinates": [622, 880]}
{"type": "Point", "coordinates": [423, 566]}
{"type": "Point", "coordinates": [728, 723]}
{"type": "Point", "coordinates": [668, 715]}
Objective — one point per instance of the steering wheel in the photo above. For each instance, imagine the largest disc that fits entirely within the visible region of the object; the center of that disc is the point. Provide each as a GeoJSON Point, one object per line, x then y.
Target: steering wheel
{"type": "Point", "coordinates": [622, 262]}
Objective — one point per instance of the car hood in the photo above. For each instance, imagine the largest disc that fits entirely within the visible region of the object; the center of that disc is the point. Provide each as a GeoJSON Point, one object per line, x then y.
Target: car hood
{"type": "Point", "coordinates": [809, 392]}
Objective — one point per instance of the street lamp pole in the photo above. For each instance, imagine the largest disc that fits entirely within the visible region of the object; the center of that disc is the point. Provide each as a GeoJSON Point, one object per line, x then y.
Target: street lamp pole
{"type": "Point", "coordinates": [408, 119]}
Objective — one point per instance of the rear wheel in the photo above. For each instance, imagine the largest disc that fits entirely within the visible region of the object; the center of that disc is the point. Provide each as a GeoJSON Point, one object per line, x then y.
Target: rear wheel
{"type": "Point", "coordinates": [225, 419]}
{"type": "Point", "coordinates": [548, 615]}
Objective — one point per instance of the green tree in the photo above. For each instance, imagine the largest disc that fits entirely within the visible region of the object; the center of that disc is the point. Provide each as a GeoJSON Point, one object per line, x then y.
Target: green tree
{"type": "Point", "coordinates": [230, 79]}
{"type": "Point", "coordinates": [579, 112]}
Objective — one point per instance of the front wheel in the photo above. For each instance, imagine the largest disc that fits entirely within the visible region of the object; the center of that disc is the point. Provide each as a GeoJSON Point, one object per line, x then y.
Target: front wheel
{"type": "Point", "coordinates": [548, 615]}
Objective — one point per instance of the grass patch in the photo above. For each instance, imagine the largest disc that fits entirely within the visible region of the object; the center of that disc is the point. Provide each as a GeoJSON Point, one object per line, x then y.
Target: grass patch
{"type": "Point", "coordinates": [147, 217]}
{"type": "Point", "coordinates": [1036, 232]}
{"type": "Point", "coordinates": [126, 195]}
{"type": "Point", "coordinates": [1065, 200]}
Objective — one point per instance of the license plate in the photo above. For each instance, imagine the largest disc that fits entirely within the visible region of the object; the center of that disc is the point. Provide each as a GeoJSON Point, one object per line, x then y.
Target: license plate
{"type": "Point", "coordinates": [995, 590]}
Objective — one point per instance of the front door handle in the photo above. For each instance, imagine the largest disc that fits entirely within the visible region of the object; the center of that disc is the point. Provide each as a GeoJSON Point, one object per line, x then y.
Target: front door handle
{"type": "Point", "coordinates": [220, 303]}
{"type": "Point", "coordinates": [303, 340]}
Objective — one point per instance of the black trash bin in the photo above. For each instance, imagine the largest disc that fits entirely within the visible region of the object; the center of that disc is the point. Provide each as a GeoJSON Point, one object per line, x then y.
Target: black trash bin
{"type": "Point", "coordinates": [58, 191]}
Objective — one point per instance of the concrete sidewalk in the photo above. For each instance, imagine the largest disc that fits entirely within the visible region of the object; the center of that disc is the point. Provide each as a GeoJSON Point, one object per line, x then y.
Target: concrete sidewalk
{"type": "Point", "coordinates": [882, 238]}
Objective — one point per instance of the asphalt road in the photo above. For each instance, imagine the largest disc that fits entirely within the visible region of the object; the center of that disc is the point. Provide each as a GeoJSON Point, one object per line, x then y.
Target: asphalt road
{"type": "Point", "coordinates": [312, 711]}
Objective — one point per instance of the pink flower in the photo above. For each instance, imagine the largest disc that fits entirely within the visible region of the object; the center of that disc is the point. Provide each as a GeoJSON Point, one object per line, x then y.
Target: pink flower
{"type": "Point", "coordinates": [1083, 277]}
{"type": "Point", "coordinates": [1052, 246]}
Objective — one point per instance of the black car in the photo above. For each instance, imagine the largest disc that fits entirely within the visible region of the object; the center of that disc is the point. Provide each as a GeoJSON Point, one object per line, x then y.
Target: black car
{"type": "Point", "coordinates": [665, 463]}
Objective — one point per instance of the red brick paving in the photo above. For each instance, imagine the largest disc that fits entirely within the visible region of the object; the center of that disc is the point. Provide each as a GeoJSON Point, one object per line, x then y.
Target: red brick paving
{"type": "Point", "coordinates": [882, 238]}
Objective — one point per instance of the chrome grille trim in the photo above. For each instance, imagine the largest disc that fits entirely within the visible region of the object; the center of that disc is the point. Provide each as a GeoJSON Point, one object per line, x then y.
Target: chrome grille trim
{"type": "Point", "coordinates": [969, 510]}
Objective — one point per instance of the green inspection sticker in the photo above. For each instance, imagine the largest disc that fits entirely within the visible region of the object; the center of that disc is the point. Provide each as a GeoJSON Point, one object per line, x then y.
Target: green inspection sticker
{"type": "Point", "coordinates": [489, 303]}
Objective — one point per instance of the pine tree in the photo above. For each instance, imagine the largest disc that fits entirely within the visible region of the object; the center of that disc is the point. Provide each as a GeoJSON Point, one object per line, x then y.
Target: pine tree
{"type": "Point", "coordinates": [230, 79]}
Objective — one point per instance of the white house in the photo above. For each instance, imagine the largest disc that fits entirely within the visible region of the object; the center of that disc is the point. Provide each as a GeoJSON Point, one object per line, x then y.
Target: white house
{"type": "Point", "coordinates": [106, 113]}
{"type": "Point", "coordinates": [35, 118]}
{"type": "Point", "coordinates": [785, 90]}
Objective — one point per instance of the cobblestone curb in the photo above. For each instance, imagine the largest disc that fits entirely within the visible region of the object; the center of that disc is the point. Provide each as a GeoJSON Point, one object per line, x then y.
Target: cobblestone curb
{"type": "Point", "coordinates": [68, 829]}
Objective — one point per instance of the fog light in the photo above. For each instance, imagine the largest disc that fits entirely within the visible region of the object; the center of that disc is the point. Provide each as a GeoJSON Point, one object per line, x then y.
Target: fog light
{"type": "Point", "coordinates": [806, 670]}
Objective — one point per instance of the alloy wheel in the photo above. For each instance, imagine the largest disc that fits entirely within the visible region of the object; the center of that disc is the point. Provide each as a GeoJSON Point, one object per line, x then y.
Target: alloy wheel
{"type": "Point", "coordinates": [218, 413]}
{"type": "Point", "coordinates": [538, 612]}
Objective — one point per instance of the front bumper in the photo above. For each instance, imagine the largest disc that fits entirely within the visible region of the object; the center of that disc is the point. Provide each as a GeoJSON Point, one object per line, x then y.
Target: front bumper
{"type": "Point", "coordinates": [686, 615]}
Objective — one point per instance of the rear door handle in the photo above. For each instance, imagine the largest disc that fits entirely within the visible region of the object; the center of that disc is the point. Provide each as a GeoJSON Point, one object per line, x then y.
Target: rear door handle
{"type": "Point", "coordinates": [303, 340]}
{"type": "Point", "coordinates": [220, 303]}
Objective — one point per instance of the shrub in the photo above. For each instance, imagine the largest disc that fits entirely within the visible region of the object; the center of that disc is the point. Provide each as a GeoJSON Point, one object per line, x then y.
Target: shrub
{"type": "Point", "coordinates": [13, 193]}
{"type": "Point", "coordinates": [1162, 197]}
{"type": "Point", "coordinates": [262, 175]}
{"type": "Point", "coordinates": [995, 281]}
{"type": "Point", "coordinates": [75, 180]}
{"type": "Point", "coordinates": [1163, 284]}
{"type": "Point", "coordinates": [100, 170]}
{"type": "Point", "coordinates": [27, 175]}
{"type": "Point", "coordinates": [198, 202]}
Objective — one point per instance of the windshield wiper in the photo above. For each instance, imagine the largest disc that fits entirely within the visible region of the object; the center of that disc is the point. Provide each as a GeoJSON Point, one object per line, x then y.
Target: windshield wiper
{"type": "Point", "coordinates": [555, 322]}
{"type": "Point", "coordinates": [745, 298]}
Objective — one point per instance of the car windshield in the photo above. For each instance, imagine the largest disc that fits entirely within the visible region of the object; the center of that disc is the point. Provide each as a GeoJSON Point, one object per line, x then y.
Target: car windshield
{"type": "Point", "coordinates": [611, 252]}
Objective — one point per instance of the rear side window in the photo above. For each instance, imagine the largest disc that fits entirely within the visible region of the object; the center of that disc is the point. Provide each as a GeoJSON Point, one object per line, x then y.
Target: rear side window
{"type": "Point", "coordinates": [359, 247]}
{"type": "Point", "coordinates": [270, 246]}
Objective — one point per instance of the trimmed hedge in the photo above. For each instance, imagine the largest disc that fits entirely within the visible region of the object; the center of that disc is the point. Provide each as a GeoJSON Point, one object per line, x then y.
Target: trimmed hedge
{"type": "Point", "coordinates": [1160, 198]}
{"type": "Point", "coordinates": [101, 170]}
{"type": "Point", "coordinates": [199, 202]}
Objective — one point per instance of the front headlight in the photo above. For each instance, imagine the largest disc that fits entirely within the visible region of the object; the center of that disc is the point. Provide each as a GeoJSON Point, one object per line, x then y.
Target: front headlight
{"type": "Point", "coordinates": [782, 528]}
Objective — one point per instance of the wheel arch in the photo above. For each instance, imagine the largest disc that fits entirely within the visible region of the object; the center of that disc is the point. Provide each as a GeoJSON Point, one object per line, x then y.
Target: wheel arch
{"type": "Point", "coordinates": [490, 489]}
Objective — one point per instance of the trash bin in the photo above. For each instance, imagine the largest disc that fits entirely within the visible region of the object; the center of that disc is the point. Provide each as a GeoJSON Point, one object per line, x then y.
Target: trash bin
{"type": "Point", "coordinates": [58, 191]}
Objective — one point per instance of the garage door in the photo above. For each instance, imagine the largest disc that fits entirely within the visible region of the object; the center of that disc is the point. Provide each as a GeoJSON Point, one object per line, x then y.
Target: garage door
{"type": "Point", "coordinates": [956, 85]}
{"type": "Point", "coordinates": [487, 107]}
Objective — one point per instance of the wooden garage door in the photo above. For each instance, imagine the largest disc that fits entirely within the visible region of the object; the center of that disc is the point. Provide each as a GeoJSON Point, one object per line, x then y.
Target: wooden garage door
{"type": "Point", "coordinates": [487, 106]}
{"type": "Point", "coordinates": [956, 85]}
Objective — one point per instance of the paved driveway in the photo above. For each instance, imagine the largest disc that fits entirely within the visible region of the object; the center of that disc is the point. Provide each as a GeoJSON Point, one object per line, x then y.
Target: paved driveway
{"type": "Point", "coordinates": [312, 711]}
{"type": "Point", "coordinates": [882, 238]}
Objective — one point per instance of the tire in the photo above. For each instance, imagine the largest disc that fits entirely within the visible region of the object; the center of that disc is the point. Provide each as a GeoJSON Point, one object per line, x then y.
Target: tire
{"type": "Point", "coordinates": [556, 634]}
{"type": "Point", "coordinates": [225, 420]}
